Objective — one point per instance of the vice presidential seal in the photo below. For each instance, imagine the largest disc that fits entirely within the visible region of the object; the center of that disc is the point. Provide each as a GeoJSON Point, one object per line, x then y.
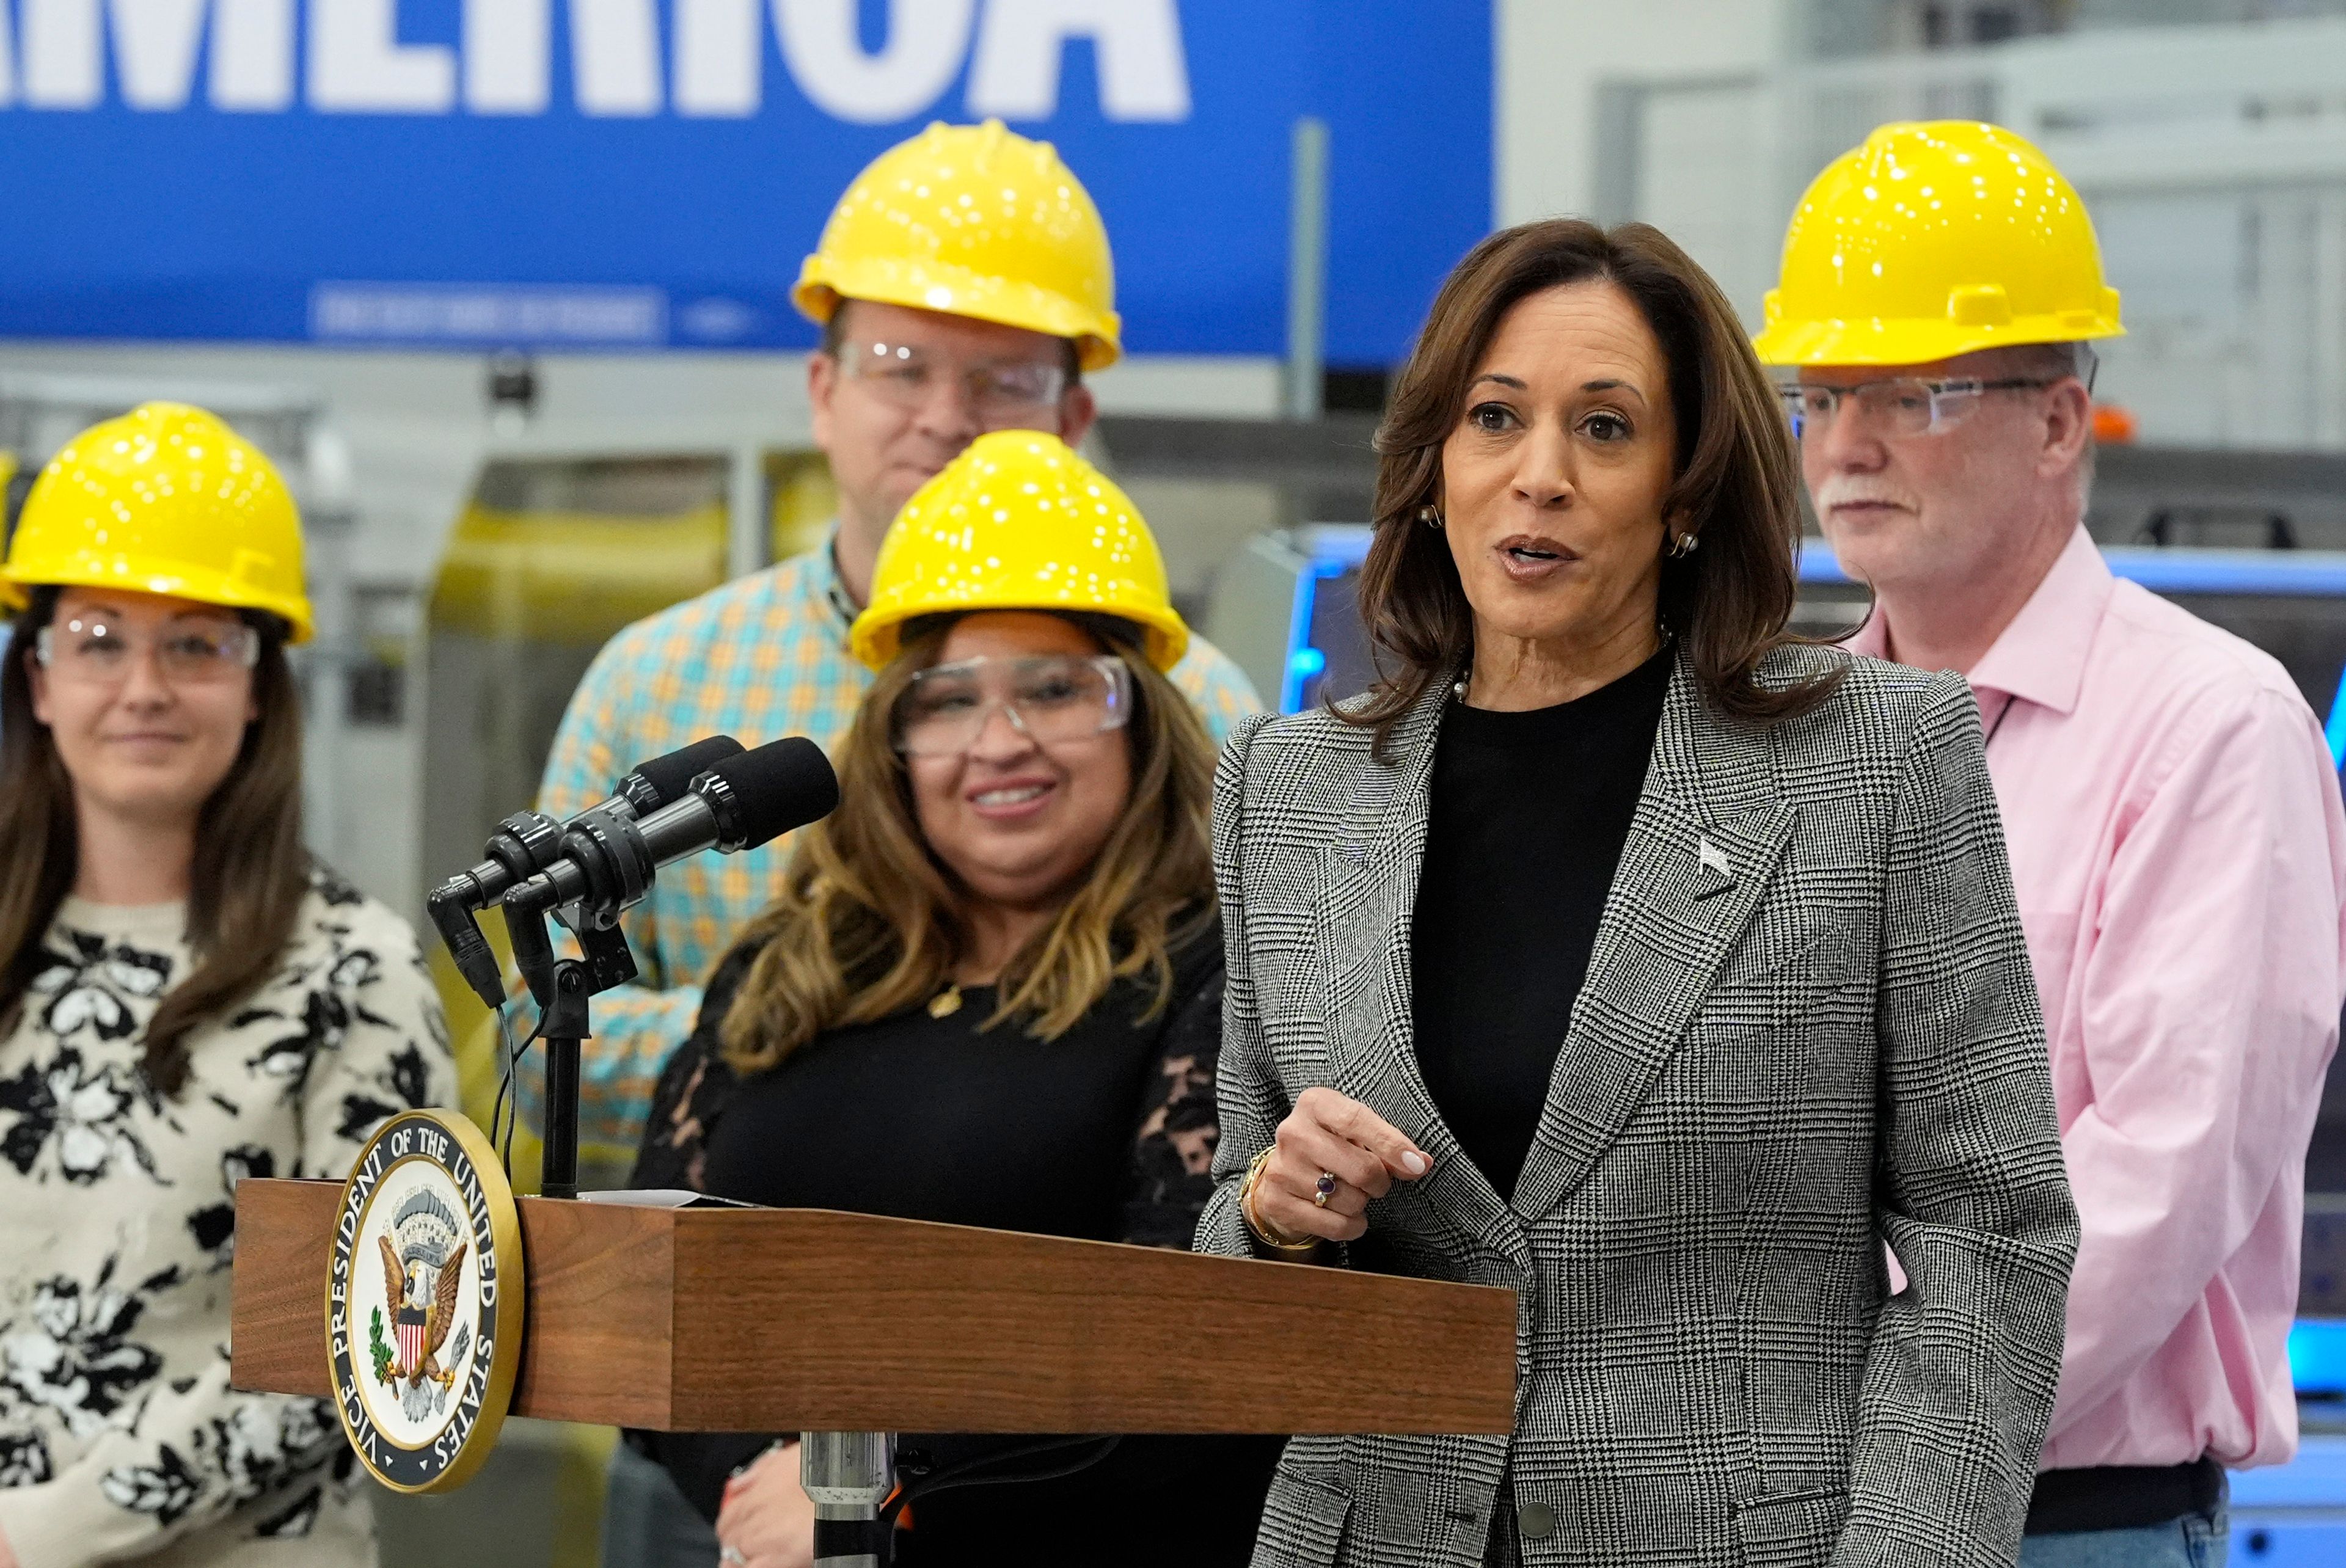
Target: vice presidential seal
{"type": "Point", "coordinates": [424, 1301]}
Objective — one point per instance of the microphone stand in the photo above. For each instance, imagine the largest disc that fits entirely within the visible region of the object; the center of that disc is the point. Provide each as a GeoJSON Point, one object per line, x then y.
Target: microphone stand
{"type": "Point", "coordinates": [848, 1476]}
{"type": "Point", "coordinates": [561, 988]}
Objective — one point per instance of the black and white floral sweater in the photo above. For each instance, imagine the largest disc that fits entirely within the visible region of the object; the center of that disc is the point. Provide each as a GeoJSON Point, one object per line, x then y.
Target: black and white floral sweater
{"type": "Point", "coordinates": [119, 1437]}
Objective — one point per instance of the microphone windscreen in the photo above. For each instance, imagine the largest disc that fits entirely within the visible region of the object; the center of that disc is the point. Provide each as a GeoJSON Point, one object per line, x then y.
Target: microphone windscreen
{"type": "Point", "coordinates": [668, 776]}
{"type": "Point", "coordinates": [782, 785]}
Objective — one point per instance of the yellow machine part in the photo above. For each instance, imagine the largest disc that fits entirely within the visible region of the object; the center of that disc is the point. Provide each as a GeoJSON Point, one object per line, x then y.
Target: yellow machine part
{"type": "Point", "coordinates": [805, 501]}
{"type": "Point", "coordinates": [572, 577]}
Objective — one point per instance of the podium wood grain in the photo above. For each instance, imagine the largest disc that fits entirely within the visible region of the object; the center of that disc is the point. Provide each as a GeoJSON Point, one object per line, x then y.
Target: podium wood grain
{"type": "Point", "coordinates": [782, 1319]}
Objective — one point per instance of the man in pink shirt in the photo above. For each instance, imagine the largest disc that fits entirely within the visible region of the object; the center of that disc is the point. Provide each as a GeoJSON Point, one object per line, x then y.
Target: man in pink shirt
{"type": "Point", "coordinates": [2170, 809]}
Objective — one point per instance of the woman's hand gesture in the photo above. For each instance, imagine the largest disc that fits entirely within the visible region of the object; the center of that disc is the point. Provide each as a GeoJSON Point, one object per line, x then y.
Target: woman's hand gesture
{"type": "Point", "coordinates": [1329, 1158]}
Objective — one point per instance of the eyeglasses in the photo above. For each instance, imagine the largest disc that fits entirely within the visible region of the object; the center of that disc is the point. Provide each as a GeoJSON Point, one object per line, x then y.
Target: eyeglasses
{"type": "Point", "coordinates": [1898, 405]}
{"type": "Point", "coordinates": [999, 393]}
{"type": "Point", "coordinates": [1049, 699]}
{"type": "Point", "coordinates": [87, 650]}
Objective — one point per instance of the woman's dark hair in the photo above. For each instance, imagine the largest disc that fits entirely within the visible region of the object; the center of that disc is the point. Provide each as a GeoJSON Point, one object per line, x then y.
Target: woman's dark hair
{"type": "Point", "coordinates": [1737, 484]}
{"type": "Point", "coordinates": [250, 872]}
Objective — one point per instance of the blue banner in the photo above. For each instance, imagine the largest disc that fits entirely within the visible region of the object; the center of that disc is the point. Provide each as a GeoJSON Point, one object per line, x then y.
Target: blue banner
{"type": "Point", "coordinates": [648, 174]}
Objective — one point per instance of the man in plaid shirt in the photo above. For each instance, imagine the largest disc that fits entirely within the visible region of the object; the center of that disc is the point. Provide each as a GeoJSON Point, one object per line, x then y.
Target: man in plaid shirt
{"type": "Point", "coordinates": [935, 331]}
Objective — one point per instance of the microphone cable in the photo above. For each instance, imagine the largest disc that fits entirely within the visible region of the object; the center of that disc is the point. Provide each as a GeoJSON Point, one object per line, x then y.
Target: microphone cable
{"type": "Point", "coordinates": [971, 1471]}
{"type": "Point", "coordinates": [506, 1112]}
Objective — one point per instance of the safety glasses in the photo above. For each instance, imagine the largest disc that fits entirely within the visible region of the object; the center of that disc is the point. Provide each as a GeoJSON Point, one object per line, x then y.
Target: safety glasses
{"type": "Point", "coordinates": [1050, 698]}
{"type": "Point", "coordinates": [999, 393]}
{"type": "Point", "coordinates": [1894, 406]}
{"type": "Point", "coordinates": [90, 651]}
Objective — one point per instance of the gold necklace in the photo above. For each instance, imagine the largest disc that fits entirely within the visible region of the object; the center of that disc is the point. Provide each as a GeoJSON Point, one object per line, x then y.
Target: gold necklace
{"type": "Point", "coordinates": [946, 1003]}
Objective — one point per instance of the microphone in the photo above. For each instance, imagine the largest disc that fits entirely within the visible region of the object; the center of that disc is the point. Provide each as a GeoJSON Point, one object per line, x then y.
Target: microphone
{"type": "Point", "coordinates": [527, 843]}
{"type": "Point", "coordinates": [608, 859]}
{"type": "Point", "coordinates": [663, 779]}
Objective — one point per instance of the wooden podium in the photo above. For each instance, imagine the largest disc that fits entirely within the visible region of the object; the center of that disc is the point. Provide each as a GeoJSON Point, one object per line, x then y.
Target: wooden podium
{"type": "Point", "coordinates": [728, 1319]}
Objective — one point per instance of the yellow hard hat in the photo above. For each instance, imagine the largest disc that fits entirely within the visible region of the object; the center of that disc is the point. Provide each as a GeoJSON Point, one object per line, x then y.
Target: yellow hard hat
{"type": "Point", "coordinates": [1934, 240]}
{"type": "Point", "coordinates": [164, 500]}
{"type": "Point", "coordinates": [972, 220]}
{"type": "Point", "coordinates": [1018, 522]}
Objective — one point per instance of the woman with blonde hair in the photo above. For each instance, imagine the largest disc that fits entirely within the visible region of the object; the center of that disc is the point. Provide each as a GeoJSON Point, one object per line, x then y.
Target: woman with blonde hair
{"type": "Point", "coordinates": [991, 991]}
{"type": "Point", "coordinates": [186, 999]}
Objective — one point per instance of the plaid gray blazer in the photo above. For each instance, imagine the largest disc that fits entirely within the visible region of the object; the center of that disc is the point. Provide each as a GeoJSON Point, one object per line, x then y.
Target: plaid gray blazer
{"type": "Point", "coordinates": [1809, 1027]}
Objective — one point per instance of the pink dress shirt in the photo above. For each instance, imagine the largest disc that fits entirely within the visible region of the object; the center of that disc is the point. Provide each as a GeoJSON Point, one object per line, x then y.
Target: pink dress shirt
{"type": "Point", "coordinates": [2180, 853]}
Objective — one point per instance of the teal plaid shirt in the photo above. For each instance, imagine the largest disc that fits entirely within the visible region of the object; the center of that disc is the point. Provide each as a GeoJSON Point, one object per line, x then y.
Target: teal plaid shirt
{"type": "Point", "coordinates": [761, 657]}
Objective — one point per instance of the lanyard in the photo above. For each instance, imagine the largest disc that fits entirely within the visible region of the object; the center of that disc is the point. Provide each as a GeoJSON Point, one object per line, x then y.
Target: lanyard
{"type": "Point", "coordinates": [835, 590]}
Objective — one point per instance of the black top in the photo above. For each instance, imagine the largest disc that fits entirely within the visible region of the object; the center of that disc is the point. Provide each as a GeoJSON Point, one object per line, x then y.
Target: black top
{"type": "Point", "coordinates": [1528, 815]}
{"type": "Point", "coordinates": [1105, 1133]}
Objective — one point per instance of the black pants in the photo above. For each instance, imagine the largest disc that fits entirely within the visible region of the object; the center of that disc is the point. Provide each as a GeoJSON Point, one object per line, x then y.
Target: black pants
{"type": "Point", "coordinates": [1504, 1551]}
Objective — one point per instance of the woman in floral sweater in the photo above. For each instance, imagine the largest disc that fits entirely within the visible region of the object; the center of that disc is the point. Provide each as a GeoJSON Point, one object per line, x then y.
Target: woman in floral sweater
{"type": "Point", "coordinates": [186, 999]}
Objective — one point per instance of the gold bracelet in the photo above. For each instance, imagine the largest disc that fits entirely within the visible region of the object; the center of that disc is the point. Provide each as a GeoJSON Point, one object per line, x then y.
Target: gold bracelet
{"type": "Point", "coordinates": [1263, 1230]}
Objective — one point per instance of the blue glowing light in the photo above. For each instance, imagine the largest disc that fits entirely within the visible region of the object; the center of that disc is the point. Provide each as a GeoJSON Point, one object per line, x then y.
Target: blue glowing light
{"type": "Point", "coordinates": [1307, 662]}
{"type": "Point", "coordinates": [2317, 1355]}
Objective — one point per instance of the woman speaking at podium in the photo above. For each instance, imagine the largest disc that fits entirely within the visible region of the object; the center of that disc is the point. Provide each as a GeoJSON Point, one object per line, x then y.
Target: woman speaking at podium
{"type": "Point", "coordinates": [991, 991]}
{"type": "Point", "coordinates": [1623, 951]}
{"type": "Point", "coordinates": [186, 999]}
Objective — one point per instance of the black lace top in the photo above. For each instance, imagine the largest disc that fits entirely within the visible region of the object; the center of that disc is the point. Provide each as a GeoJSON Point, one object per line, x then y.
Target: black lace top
{"type": "Point", "coordinates": [925, 1118]}
{"type": "Point", "coordinates": [1107, 1133]}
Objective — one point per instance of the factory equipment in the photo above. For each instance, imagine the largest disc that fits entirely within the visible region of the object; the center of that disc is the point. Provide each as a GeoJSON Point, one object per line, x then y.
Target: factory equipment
{"type": "Point", "coordinates": [1209, 486]}
{"type": "Point", "coordinates": [546, 561]}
